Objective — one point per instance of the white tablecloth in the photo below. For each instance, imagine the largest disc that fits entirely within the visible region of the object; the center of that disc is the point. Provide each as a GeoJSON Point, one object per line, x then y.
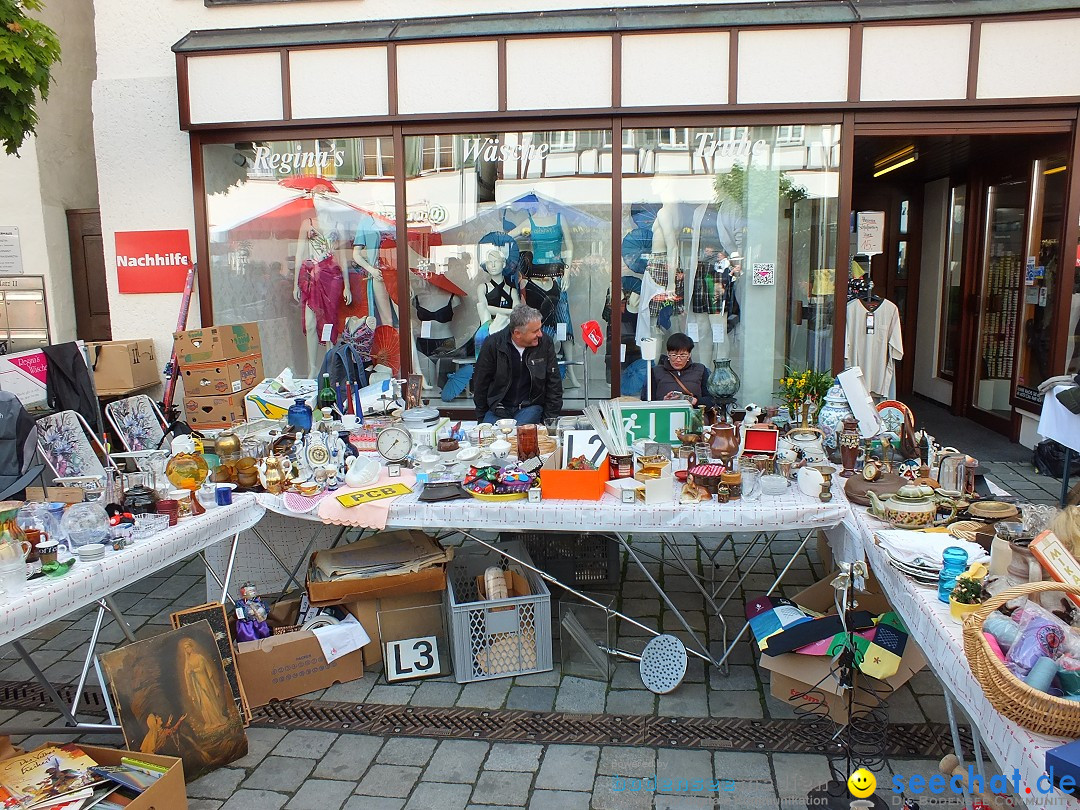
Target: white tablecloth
{"type": "Point", "coordinates": [792, 510]}
{"type": "Point", "coordinates": [940, 638]}
{"type": "Point", "coordinates": [46, 599]}
{"type": "Point", "coordinates": [1059, 423]}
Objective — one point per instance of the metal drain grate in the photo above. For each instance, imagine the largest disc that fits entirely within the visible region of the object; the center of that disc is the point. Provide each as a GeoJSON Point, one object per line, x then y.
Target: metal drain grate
{"type": "Point", "coordinates": [923, 740]}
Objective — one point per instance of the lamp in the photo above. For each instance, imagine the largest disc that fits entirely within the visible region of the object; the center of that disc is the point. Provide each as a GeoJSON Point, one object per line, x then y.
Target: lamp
{"type": "Point", "coordinates": [893, 161]}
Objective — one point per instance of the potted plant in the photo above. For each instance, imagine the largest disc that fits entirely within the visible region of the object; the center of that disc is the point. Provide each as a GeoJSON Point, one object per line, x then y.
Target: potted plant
{"type": "Point", "coordinates": [969, 592]}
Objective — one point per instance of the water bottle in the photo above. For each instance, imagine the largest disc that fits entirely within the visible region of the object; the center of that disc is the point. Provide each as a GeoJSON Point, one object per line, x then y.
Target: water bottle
{"type": "Point", "coordinates": [954, 563]}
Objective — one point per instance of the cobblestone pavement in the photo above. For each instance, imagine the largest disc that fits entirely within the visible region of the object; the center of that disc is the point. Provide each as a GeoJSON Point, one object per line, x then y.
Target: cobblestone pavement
{"type": "Point", "coordinates": [318, 770]}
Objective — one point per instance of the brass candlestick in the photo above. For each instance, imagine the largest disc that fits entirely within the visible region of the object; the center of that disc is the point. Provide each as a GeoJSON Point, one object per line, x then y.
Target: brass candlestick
{"type": "Point", "coordinates": [826, 481]}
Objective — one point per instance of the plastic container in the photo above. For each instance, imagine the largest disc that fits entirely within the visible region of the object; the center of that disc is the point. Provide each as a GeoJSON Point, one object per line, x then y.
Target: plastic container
{"type": "Point", "coordinates": [497, 638]}
{"type": "Point", "coordinates": [578, 558]}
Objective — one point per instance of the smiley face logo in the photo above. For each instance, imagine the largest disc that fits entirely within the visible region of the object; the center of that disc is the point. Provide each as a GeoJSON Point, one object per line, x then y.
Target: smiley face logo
{"type": "Point", "coordinates": [861, 783]}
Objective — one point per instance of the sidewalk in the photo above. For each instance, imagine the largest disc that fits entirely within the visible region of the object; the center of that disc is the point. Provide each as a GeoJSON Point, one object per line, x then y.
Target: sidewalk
{"type": "Point", "coordinates": [310, 769]}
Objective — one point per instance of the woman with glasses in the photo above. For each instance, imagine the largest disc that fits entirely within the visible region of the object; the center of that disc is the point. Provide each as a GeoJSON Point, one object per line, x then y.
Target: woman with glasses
{"type": "Point", "coordinates": [676, 376]}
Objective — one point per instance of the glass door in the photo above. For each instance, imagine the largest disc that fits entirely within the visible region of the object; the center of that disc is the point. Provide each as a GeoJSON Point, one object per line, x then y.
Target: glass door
{"type": "Point", "coordinates": [999, 296]}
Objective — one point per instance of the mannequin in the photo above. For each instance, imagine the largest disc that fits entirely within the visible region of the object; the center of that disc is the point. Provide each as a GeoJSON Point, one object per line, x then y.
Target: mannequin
{"type": "Point", "coordinates": [366, 244]}
{"type": "Point", "coordinates": [543, 279]}
{"type": "Point", "coordinates": [714, 305]}
{"type": "Point", "coordinates": [662, 285]}
{"type": "Point", "coordinates": [496, 295]}
{"type": "Point", "coordinates": [320, 284]}
{"type": "Point", "coordinates": [434, 310]}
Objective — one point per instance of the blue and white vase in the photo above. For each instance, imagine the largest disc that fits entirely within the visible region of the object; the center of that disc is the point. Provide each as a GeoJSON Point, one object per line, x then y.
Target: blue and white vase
{"type": "Point", "coordinates": [723, 381]}
{"type": "Point", "coordinates": [832, 416]}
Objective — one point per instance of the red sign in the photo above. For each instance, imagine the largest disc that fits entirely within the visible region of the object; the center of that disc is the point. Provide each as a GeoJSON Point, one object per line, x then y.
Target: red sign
{"type": "Point", "coordinates": [152, 261]}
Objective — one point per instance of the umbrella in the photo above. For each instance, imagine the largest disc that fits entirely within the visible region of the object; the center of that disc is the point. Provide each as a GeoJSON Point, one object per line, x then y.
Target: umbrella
{"type": "Point", "coordinates": [491, 219]}
{"type": "Point", "coordinates": [308, 183]}
{"type": "Point", "coordinates": [386, 349]}
{"type": "Point", "coordinates": [283, 220]}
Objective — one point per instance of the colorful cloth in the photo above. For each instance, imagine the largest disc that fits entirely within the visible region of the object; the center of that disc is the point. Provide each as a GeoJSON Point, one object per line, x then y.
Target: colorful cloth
{"type": "Point", "coordinates": [321, 288]}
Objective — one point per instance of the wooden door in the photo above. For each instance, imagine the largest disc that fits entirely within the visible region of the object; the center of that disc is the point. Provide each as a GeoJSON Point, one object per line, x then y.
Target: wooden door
{"type": "Point", "coordinates": [88, 275]}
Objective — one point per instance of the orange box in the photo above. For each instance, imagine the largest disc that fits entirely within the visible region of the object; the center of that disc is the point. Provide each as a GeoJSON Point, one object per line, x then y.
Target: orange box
{"type": "Point", "coordinates": [572, 485]}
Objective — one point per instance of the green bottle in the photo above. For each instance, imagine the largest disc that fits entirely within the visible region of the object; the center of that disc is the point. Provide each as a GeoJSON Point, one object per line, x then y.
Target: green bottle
{"type": "Point", "coordinates": [327, 396]}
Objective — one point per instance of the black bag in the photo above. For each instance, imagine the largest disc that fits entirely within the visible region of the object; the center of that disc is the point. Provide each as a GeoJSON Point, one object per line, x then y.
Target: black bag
{"type": "Point", "coordinates": [18, 443]}
{"type": "Point", "coordinates": [344, 365]}
{"type": "Point", "coordinates": [1049, 459]}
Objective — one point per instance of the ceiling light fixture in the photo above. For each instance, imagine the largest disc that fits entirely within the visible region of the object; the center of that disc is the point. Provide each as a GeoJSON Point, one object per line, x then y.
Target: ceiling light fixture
{"type": "Point", "coordinates": [892, 162]}
{"type": "Point", "coordinates": [1055, 170]}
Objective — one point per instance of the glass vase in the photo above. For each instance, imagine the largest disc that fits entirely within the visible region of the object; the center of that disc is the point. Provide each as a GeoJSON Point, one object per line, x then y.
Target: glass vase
{"type": "Point", "coordinates": [723, 382]}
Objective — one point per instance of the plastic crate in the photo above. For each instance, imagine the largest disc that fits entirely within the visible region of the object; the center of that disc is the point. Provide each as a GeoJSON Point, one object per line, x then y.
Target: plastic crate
{"type": "Point", "coordinates": [496, 638]}
{"type": "Point", "coordinates": [580, 559]}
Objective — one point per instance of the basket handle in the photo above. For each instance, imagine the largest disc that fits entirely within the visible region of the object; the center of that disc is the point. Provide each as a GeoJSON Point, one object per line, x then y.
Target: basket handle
{"type": "Point", "coordinates": [1028, 589]}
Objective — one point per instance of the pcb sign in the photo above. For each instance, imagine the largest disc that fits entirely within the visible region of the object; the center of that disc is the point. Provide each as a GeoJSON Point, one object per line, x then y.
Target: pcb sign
{"type": "Point", "coordinates": [152, 261]}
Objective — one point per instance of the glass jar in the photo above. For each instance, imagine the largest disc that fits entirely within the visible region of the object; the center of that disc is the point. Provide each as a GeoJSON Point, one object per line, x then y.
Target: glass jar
{"type": "Point", "coordinates": [300, 415]}
{"type": "Point", "coordinates": [954, 561]}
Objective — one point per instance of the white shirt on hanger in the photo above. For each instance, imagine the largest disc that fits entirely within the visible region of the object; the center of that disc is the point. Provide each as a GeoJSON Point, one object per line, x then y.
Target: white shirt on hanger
{"type": "Point", "coordinates": [874, 353]}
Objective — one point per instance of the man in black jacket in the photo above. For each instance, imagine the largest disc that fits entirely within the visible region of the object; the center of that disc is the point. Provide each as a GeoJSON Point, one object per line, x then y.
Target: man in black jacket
{"type": "Point", "coordinates": [517, 373]}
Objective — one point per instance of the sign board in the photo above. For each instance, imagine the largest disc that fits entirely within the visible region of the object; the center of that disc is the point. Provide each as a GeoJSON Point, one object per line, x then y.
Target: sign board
{"type": "Point", "coordinates": [370, 494]}
{"type": "Point", "coordinates": [10, 250]}
{"type": "Point", "coordinates": [24, 374]}
{"type": "Point", "coordinates": [412, 658]}
{"type": "Point", "coordinates": [869, 232]}
{"type": "Point", "coordinates": [655, 421]}
{"type": "Point", "coordinates": [152, 261]}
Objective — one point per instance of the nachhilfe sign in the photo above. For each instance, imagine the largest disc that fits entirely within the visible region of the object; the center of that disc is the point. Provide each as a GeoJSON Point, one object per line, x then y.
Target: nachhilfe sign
{"type": "Point", "coordinates": [152, 261]}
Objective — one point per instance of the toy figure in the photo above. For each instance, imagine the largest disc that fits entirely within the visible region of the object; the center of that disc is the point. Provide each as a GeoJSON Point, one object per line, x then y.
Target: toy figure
{"type": "Point", "coordinates": [250, 615]}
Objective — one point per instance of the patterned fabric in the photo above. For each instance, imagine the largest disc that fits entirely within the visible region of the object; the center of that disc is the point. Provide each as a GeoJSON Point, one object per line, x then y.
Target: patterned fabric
{"type": "Point", "coordinates": [65, 447]}
{"type": "Point", "coordinates": [136, 422]}
{"type": "Point", "coordinates": [672, 299]}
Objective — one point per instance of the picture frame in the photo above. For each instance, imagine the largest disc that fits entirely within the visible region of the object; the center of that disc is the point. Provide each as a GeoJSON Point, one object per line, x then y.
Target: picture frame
{"type": "Point", "coordinates": [214, 614]}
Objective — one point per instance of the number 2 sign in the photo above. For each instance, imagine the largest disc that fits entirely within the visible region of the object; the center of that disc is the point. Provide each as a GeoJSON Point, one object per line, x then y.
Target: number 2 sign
{"type": "Point", "coordinates": [412, 658]}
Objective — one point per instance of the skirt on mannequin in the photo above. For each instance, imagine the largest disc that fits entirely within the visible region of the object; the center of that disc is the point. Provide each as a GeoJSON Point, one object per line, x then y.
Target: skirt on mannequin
{"type": "Point", "coordinates": [321, 289]}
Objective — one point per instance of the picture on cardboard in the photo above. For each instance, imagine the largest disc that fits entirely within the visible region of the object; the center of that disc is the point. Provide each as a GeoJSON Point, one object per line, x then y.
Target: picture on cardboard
{"type": "Point", "coordinates": [172, 697]}
{"type": "Point", "coordinates": [214, 614]}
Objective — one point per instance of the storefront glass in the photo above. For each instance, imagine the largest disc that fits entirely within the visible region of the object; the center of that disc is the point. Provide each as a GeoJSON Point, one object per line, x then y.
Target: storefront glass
{"type": "Point", "coordinates": [729, 237]}
{"type": "Point", "coordinates": [502, 218]}
{"type": "Point", "coordinates": [949, 346]}
{"type": "Point", "coordinates": [302, 237]}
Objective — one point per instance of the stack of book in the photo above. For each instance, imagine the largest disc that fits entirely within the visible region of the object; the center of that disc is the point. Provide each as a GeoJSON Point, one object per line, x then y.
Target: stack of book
{"type": "Point", "coordinates": [64, 777]}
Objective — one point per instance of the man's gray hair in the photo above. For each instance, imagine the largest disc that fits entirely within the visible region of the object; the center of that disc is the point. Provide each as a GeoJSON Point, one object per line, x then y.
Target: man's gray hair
{"type": "Point", "coordinates": [522, 316]}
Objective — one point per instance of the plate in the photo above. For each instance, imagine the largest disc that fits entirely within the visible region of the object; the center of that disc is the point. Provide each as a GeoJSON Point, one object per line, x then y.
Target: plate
{"type": "Point", "coordinates": [893, 415]}
{"type": "Point", "coordinates": [509, 496]}
{"type": "Point", "coordinates": [994, 510]}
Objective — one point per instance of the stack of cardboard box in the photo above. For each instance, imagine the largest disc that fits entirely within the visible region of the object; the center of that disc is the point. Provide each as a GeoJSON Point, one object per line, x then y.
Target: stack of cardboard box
{"type": "Point", "coordinates": [218, 366]}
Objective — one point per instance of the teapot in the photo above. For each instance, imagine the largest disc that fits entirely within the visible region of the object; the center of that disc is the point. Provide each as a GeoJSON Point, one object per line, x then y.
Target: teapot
{"type": "Point", "coordinates": [274, 474]}
{"type": "Point", "coordinates": [911, 507]}
{"type": "Point", "coordinates": [810, 441]}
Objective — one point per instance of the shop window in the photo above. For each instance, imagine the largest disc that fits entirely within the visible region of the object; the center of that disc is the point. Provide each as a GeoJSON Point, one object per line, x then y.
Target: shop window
{"type": "Point", "coordinates": [733, 244]}
{"type": "Point", "coordinates": [529, 222]}
{"type": "Point", "coordinates": [299, 242]}
{"type": "Point", "coordinates": [1072, 336]}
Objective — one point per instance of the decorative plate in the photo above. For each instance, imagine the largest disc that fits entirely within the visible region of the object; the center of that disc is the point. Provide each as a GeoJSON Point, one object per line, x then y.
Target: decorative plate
{"type": "Point", "coordinates": [965, 529]}
{"type": "Point", "coordinates": [993, 510]}
{"type": "Point", "coordinates": [893, 415]}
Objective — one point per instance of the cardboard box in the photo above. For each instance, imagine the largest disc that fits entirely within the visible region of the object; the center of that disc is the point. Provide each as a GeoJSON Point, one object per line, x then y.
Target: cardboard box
{"type": "Point", "coordinates": [572, 485]}
{"type": "Point", "coordinates": [342, 591]}
{"type": "Point", "coordinates": [367, 612]}
{"type": "Point", "coordinates": [516, 586]}
{"type": "Point", "coordinates": [653, 490]}
{"type": "Point", "coordinates": [793, 674]}
{"type": "Point", "coordinates": [214, 412]}
{"type": "Point", "coordinates": [223, 377]}
{"type": "Point", "coordinates": [215, 343]}
{"type": "Point", "coordinates": [122, 365]}
{"type": "Point", "coordinates": [284, 666]}
{"type": "Point", "coordinates": [269, 399]}
{"type": "Point", "coordinates": [167, 793]}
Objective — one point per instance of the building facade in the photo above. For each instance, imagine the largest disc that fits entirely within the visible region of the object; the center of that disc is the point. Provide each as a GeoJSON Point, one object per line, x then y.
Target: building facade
{"type": "Point", "coordinates": [630, 172]}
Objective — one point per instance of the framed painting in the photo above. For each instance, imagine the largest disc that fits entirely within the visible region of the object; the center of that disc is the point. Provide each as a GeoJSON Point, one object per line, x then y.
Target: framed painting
{"type": "Point", "coordinates": [215, 615]}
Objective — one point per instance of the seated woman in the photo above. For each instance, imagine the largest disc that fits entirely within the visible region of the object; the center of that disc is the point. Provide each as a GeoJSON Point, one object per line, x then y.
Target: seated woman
{"type": "Point", "coordinates": [676, 377]}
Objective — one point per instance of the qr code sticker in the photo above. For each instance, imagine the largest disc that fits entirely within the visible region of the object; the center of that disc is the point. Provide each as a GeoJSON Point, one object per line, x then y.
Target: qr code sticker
{"type": "Point", "coordinates": [764, 274]}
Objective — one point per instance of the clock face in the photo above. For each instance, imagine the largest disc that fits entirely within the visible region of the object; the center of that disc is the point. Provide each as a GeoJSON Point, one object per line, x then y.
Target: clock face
{"type": "Point", "coordinates": [318, 455]}
{"type": "Point", "coordinates": [394, 443]}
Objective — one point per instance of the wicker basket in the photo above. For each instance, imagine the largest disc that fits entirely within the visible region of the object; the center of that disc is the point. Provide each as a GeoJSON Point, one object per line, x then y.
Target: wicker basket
{"type": "Point", "coordinates": [1025, 706]}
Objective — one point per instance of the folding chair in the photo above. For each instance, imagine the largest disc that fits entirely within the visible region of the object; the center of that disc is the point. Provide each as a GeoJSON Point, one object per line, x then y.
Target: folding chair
{"type": "Point", "coordinates": [137, 422]}
{"type": "Point", "coordinates": [73, 452]}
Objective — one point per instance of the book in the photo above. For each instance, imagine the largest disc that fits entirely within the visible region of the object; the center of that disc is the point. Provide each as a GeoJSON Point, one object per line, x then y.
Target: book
{"type": "Point", "coordinates": [143, 765]}
{"type": "Point", "coordinates": [37, 779]}
{"type": "Point", "coordinates": [1056, 560]}
{"type": "Point", "coordinates": [133, 778]}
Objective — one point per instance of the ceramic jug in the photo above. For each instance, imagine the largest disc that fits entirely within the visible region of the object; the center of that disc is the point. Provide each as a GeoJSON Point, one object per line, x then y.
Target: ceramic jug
{"type": "Point", "coordinates": [273, 474]}
{"type": "Point", "coordinates": [723, 442]}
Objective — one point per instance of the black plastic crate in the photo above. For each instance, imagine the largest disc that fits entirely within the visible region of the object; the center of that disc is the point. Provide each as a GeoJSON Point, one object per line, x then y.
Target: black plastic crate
{"type": "Point", "coordinates": [579, 559]}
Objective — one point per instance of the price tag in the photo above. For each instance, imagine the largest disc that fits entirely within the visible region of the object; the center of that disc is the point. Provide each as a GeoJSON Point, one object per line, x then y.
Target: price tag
{"type": "Point", "coordinates": [412, 658]}
{"type": "Point", "coordinates": [534, 495]}
{"type": "Point", "coordinates": [327, 331]}
{"type": "Point", "coordinates": [622, 352]}
{"type": "Point", "coordinates": [560, 331]}
{"type": "Point", "coordinates": [719, 333]}
{"type": "Point", "coordinates": [692, 331]}
{"type": "Point", "coordinates": [425, 329]}
{"type": "Point", "coordinates": [869, 323]}
{"type": "Point", "coordinates": [393, 470]}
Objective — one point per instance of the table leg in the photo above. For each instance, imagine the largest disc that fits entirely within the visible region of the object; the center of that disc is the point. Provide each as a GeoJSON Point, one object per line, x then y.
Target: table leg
{"type": "Point", "coordinates": [102, 607]}
{"type": "Point", "coordinates": [118, 617]}
{"type": "Point", "coordinates": [954, 729]}
{"type": "Point", "coordinates": [1065, 476]}
{"type": "Point", "coordinates": [48, 687]}
{"type": "Point", "coordinates": [229, 569]}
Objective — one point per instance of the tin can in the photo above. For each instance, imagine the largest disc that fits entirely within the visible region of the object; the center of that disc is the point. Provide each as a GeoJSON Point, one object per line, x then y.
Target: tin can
{"type": "Point", "coordinates": [620, 466]}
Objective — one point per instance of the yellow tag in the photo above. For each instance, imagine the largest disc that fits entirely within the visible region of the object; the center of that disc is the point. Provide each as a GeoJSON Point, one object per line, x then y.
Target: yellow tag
{"type": "Point", "coordinates": [362, 496]}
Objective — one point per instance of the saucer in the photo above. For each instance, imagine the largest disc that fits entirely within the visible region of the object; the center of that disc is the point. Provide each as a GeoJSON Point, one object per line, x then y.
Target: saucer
{"type": "Point", "coordinates": [91, 551]}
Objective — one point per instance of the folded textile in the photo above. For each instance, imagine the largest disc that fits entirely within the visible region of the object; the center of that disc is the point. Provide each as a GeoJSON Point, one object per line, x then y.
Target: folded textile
{"type": "Point", "coordinates": [924, 549]}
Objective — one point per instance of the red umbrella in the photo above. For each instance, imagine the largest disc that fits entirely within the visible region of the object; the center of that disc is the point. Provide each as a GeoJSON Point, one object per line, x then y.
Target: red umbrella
{"type": "Point", "coordinates": [308, 183]}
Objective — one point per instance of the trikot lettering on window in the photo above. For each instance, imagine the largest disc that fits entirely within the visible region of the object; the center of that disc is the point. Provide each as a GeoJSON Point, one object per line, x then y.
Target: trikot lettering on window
{"type": "Point", "coordinates": [267, 161]}
{"type": "Point", "coordinates": [709, 146]}
{"type": "Point", "coordinates": [491, 149]}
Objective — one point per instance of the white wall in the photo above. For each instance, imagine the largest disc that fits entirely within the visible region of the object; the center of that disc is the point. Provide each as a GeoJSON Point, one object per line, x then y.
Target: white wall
{"type": "Point", "coordinates": [931, 275]}
{"type": "Point", "coordinates": [55, 170]}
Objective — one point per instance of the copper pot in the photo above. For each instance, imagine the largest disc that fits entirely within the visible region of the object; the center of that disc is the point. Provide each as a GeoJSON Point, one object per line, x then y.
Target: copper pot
{"type": "Point", "coordinates": [724, 442]}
